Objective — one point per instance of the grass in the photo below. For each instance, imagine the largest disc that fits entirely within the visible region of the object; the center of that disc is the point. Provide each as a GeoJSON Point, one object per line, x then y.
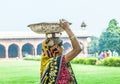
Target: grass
{"type": "Point", "coordinates": [19, 72]}
{"type": "Point", "coordinates": [88, 74]}
{"type": "Point", "coordinates": [27, 72]}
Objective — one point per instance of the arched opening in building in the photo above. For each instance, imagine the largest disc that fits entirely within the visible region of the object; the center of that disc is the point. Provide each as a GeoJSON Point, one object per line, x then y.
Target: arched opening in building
{"type": "Point", "coordinates": [13, 51]}
{"type": "Point", "coordinates": [67, 47]}
{"type": "Point", "coordinates": [39, 49]}
{"type": "Point", "coordinates": [2, 51]}
{"type": "Point", "coordinates": [28, 50]}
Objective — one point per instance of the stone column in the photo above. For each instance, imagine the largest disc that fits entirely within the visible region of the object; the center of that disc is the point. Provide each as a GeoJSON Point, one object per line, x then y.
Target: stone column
{"type": "Point", "coordinates": [86, 48]}
{"type": "Point", "coordinates": [35, 47]}
{"type": "Point", "coordinates": [20, 52]}
{"type": "Point", "coordinates": [6, 52]}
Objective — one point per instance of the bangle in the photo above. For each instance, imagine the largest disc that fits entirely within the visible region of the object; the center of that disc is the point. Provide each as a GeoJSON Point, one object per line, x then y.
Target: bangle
{"type": "Point", "coordinates": [72, 37]}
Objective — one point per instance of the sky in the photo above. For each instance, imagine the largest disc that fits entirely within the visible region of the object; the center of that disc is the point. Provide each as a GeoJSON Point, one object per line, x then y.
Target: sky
{"type": "Point", "coordinates": [15, 15]}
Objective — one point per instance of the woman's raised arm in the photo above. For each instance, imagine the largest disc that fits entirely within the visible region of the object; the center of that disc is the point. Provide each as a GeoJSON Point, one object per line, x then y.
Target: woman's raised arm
{"type": "Point", "coordinates": [75, 44]}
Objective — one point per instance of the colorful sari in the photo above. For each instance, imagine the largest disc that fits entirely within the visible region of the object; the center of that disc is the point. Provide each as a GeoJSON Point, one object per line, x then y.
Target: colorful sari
{"type": "Point", "coordinates": [54, 70]}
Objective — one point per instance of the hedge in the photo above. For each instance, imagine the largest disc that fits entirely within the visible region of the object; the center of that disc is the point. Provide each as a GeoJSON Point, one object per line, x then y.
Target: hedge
{"type": "Point", "coordinates": [109, 61]}
{"type": "Point", "coordinates": [32, 58]}
{"type": "Point", "coordinates": [113, 61]}
{"type": "Point", "coordinates": [88, 61]}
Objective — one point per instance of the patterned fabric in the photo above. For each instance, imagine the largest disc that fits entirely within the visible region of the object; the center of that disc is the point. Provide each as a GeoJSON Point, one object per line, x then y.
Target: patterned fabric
{"type": "Point", "coordinates": [50, 75]}
{"type": "Point", "coordinates": [54, 70]}
{"type": "Point", "coordinates": [49, 48]}
{"type": "Point", "coordinates": [64, 77]}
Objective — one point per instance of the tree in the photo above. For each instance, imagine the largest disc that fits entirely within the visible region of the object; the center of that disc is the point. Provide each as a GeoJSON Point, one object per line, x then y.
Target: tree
{"type": "Point", "coordinates": [93, 45]}
{"type": "Point", "coordinates": [110, 38]}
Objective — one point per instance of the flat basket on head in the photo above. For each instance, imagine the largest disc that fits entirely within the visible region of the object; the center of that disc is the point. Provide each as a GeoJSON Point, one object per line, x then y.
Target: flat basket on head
{"type": "Point", "coordinates": [43, 28]}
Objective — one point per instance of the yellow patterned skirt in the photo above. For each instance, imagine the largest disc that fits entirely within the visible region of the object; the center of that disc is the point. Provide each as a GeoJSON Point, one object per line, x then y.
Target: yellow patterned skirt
{"type": "Point", "coordinates": [50, 70]}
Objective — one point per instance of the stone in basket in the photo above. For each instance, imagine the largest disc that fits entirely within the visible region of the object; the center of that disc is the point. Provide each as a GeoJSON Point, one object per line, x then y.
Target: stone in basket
{"type": "Point", "coordinates": [46, 28]}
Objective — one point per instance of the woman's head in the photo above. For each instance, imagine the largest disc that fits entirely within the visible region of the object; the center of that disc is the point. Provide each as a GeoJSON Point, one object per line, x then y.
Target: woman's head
{"type": "Point", "coordinates": [52, 47]}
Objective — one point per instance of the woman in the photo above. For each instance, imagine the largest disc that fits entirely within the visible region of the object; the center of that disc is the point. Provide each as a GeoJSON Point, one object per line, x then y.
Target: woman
{"type": "Point", "coordinates": [55, 67]}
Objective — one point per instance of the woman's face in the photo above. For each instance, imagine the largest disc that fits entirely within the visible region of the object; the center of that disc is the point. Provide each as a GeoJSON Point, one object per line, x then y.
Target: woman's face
{"type": "Point", "coordinates": [60, 48]}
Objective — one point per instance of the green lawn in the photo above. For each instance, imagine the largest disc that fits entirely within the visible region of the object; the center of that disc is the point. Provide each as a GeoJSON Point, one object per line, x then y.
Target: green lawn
{"type": "Point", "coordinates": [27, 72]}
{"type": "Point", "coordinates": [19, 72]}
{"type": "Point", "coordinates": [88, 74]}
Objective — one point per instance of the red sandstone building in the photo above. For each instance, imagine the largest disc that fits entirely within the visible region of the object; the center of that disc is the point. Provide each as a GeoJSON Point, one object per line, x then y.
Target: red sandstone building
{"type": "Point", "coordinates": [19, 45]}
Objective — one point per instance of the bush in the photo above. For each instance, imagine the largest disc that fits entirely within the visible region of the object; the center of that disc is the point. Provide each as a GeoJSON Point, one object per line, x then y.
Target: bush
{"type": "Point", "coordinates": [91, 61]}
{"type": "Point", "coordinates": [113, 61]}
{"type": "Point", "coordinates": [32, 58]}
{"type": "Point", "coordinates": [110, 61]}
{"type": "Point", "coordinates": [75, 61]}
{"type": "Point", "coordinates": [82, 60]}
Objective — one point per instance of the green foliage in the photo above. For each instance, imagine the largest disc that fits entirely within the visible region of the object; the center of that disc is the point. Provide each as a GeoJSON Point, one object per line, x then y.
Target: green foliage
{"type": "Point", "coordinates": [111, 62]}
{"type": "Point", "coordinates": [75, 61]}
{"type": "Point", "coordinates": [78, 61]}
{"type": "Point", "coordinates": [82, 61]}
{"type": "Point", "coordinates": [88, 61]}
{"type": "Point", "coordinates": [110, 38]}
{"type": "Point", "coordinates": [93, 45]}
{"type": "Point", "coordinates": [112, 23]}
{"type": "Point", "coordinates": [32, 58]}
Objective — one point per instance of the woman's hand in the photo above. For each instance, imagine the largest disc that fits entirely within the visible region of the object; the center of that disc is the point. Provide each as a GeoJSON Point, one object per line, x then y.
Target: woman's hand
{"type": "Point", "coordinates": [75, 44]}
{"type": "Point", "coordinates": [64, 24]}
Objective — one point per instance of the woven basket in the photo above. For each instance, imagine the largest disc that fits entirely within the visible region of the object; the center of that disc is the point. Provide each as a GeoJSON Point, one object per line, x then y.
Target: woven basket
{"type": "Point", "coordinates": [43, 28]}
